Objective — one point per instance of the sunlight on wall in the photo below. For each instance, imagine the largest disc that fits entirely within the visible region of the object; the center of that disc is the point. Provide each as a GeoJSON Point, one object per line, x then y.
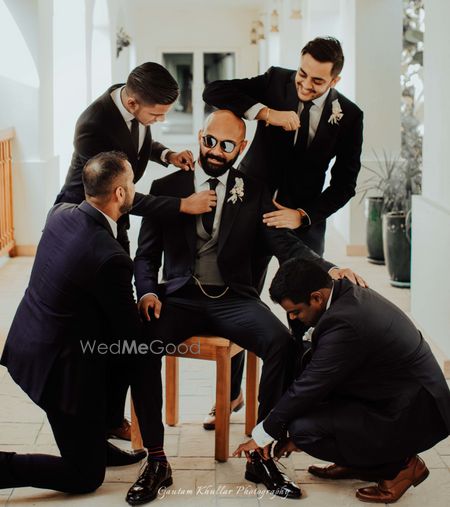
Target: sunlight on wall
{"type": "Point", "coordinates": [17, 62]}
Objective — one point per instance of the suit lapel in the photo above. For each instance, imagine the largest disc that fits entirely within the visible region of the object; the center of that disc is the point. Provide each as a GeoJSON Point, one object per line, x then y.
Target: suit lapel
{"type": "Point", "coordinates": [292, 102]}
{"type": "Point", "coordinates": [230, 210]}
{"type": "Point", "coordinates": [184, 188]}
{"type": "Point", "coordinates": [119, 129]}
{"type": "Point", "coordinates": [325, 131]}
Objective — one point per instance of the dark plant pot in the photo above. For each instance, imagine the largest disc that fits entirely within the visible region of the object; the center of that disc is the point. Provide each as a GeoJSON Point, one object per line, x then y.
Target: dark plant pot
{"type": "Point", "coordinates": [374, 234]}
{"type": "Point", "coordinates": [397, 248]}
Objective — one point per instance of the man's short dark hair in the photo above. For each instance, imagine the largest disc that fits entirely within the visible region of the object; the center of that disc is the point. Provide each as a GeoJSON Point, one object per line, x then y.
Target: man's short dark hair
{"type": "Point", "coordinates": [152, 84]}
{"type": "Point", "coordinates": [326, 49]}
{"type": "Point", "coordinates": [297, 279]}
{"type": "Point", "coordinates": [100, 173]}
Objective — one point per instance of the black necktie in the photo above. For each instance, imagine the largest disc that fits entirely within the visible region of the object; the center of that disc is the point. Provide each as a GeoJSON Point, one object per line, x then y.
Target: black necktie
{"type": "Point", "coordinates": [208, 218]}
{"type": "Point", "coordinates": [303, 131]}
{"type": "Point", "coordinates": [135, 134]}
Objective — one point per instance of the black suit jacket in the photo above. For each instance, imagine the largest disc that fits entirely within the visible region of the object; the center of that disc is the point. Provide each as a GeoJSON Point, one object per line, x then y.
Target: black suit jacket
{"type": "Point", "coordinates": [100, 128]}
{"type": "Point", "coordinates": [299, 178]}
{"type": "Point", "coordinates": [80, 288]}
{"type": "Point", "coordinates": [241, 224]}
{"type": "Point", "coordinates": [370, 363]}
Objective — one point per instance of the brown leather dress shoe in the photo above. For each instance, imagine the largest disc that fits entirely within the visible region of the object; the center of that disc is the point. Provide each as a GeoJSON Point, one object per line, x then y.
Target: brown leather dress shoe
{"type": "Point", "coordinates": [336, 472]}
{"type": "Point", "coordinates": [389, 491]}
{"type": "Point", "coordinates": [209, 422]}
{"type": "Point", "coordinates": [123, 432]}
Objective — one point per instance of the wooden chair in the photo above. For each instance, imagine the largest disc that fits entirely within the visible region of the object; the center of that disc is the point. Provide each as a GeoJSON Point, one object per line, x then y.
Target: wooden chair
{"type": "Point", "coordinates": [220, 350]}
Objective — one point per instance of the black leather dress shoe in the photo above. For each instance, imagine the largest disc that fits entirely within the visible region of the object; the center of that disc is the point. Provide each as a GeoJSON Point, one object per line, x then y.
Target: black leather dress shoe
{"type": "Point", "coordinates": [6, 478]}
{"type": "Point", "coordinates": [154, 475]}
{"type": "Point", "coordinates": [116, 457]}
{"type": "Point", "coordinates": [266, 472]}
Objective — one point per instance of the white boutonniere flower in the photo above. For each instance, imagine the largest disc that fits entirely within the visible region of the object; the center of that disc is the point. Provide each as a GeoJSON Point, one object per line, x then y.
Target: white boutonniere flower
{"type": "Point", "coordinates": [237, 192]}
{"type": "Point", "coordinates": [336, 112]}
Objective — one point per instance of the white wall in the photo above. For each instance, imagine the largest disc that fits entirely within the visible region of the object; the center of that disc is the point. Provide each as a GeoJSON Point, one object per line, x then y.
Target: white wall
{"type": "Point", "coordinates": [371, 34]}
{"type": "Point", "coordinates": [25, 104]}
{"type": "Point", "coordinates": [204, 27]}
{"type": "Point", "coordinates": [430, 289]}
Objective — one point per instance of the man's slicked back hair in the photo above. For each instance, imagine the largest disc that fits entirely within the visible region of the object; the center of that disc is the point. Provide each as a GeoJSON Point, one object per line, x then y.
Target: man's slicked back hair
{"type": "Point", "coordinates": [326, 49]}
{"type": "Point", "coordinates": [152, 84]}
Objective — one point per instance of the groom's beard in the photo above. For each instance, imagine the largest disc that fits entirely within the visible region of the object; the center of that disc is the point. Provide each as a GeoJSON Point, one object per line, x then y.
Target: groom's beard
{"type": "Point", "coordinates": [215, 170]}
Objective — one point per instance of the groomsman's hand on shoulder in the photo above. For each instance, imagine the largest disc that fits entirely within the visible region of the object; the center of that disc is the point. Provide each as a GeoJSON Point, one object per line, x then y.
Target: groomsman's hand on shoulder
{"type": "Point", "coordinates": [338, 273]}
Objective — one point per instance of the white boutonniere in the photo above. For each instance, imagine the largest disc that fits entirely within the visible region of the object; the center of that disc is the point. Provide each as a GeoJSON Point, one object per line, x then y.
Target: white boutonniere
{"type": "Point", "coordinates": [237, 192]}
{"type": "Point", "coordinates": [336, 112]}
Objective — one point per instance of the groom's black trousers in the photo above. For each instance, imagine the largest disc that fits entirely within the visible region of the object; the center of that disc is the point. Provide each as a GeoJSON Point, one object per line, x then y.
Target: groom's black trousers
{"type": "Point", "coordinates": [244, 320]}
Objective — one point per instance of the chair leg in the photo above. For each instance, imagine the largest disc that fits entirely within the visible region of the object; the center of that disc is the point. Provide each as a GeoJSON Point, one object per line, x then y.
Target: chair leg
{"type": "Point", "coordinates": [223, 386]}
{"type": "Point", "coordinates": [251, 394]}
{"type": "Point", "coordinates": [136, 438]}
{"type": "Point", "coordinates": [172, 406]}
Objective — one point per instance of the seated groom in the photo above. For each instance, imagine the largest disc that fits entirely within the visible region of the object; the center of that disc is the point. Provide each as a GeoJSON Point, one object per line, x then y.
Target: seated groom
{"type": "Point", "coordinates": [207, 280]}
{"type": "Point", "coordinates": [80, 289]}
{"type": "Point", "coordinates": [372, 395]}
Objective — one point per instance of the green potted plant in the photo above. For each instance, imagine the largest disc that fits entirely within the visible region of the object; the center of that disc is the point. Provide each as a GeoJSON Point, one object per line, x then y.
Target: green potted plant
{"type": "Point", "coordinates": [406, 181]}
{"type": "Point", "coordinates": [382, 185]}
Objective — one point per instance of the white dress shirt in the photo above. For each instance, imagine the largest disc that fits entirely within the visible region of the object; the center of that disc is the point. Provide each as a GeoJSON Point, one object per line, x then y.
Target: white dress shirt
{"type": "Point", "coordinates": [127, 116]}
{"type": "Point", "coordinates": [111, 222]}
{"type": "Point", "coordinates": [201, 183]}
{"type": "Point", "coordinates": [259, 435]}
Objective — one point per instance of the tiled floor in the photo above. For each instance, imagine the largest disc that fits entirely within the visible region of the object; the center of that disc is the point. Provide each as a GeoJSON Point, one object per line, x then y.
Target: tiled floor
{"type": "Point", "coordinates": [198, 480]}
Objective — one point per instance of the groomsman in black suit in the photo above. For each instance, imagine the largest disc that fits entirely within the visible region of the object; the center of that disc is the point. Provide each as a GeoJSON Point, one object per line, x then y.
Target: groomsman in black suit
{"type": "Point", "coordinates": [207, 282]}
{"type": "Point", "coordinates": [80, 291]}
{"type": "Point", "coordinates": [372, 395]}
{"type": "Point", "coordinates": [303, 124]}
{"type": "Point", "coordinates": [120, 120]}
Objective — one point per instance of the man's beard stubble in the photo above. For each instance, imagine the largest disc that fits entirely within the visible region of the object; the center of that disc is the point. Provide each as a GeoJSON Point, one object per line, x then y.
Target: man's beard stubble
{"type": "Point", "coordinates": [215, 171]}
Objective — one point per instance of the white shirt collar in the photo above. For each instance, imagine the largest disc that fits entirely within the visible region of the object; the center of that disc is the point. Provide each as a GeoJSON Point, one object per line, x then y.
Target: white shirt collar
{"type": "Point", "coordinates": [116, 97]}
{"type": "Point", "coordinates": [320, 101]}
{"type": "Point", "coordinates": [111, 222]}
{"type": "Point", "coordinates": [330, 297]}
{"type": "Point", "coordinates": [201, 177]}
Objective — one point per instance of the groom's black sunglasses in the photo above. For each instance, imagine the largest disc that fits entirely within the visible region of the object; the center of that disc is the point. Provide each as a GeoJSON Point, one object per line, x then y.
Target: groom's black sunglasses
{"type": "Point", "coordinates": [211, 141]}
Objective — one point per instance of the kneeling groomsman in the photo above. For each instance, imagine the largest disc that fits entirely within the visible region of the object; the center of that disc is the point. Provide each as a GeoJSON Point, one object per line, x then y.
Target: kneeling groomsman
{"type": "Point", "coordinates": [80, 290]}
{"type": "Point", "coordinates": [372, 395]}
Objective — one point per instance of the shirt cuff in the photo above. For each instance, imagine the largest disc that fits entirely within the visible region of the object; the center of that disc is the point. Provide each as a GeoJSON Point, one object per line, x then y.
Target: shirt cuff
{"type": "Point", "coordinates": [163, 155]}
{"type": "Point", "coordinates": [260, 436]}
{"type": "Point", "coordinates": [251, 113]}
{"type": "Point", "coordinates": [305, 215]}
{"type": "Point", "coordinates": [153, 294]}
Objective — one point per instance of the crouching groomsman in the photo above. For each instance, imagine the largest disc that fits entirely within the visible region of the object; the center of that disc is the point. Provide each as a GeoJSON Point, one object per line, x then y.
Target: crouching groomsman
{"type": "Point", "coordinates": [80, 289]}
{"type": "Point", "coordinates": [372, 395]}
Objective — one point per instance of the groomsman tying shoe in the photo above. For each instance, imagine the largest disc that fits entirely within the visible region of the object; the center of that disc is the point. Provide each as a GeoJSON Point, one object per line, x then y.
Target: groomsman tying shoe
{"type": "Point", "coordinates": [80, 290]}
{"type": "Point", "coordinates": [372, 395]}
{"type": "Point", "coordinates": [207, 282]}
